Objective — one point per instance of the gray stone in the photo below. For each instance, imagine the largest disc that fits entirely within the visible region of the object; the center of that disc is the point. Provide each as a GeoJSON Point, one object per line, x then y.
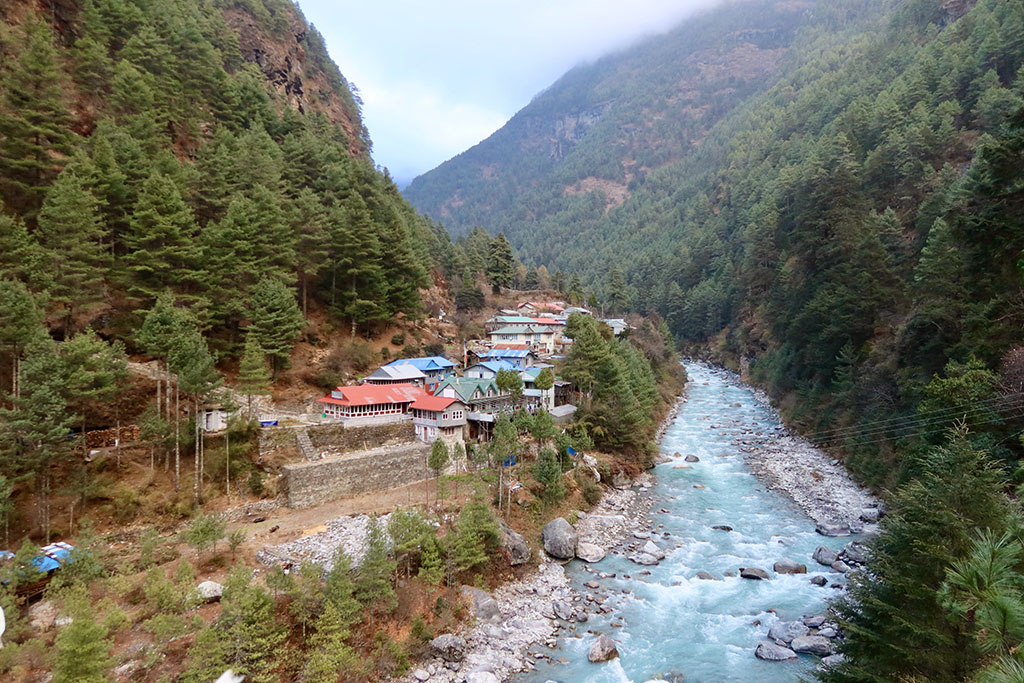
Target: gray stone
{"type": "Point", "coordinates": [602, 649]}
{"type": "Point", "coordinates": [855, 552]}
{"type": "Point", "coordinates": [651, 549]}
{"type": "Point", "coordinates": [786, 631]}
{"type": "Point", "coordinates": [589, 552]}
{"type": "Point", "coordinates": [833, 529]}
{"type": "Point", "coordinates": [421, 675]}
{"type": "Point", "coordinates": [562, 610]}
{"type": "Point", "coordinates": [869, 515]}
{"type": "Point", "coordinates": [722, 527]}
{"type": "Point", "coordinates": [830, 661]}
{"type": "Point", "coordinates": [692, 458]}
{"type": "Point", "coordinates": [482, 606]}
{"type": "Point", "coordinates": [825, 556]}
{"type": "Point", "coordinates": [707, 576]}
{"type": "Point", "coordinates": [482, 677]}
{"type": "Point", "coordinates": [785, 566]}
{"type": "Point", "coordinates": [559, 539]}
{"type": "Point", "coordinates": [641, 534]}
{"type": "Point", "coordinates": [814, 621]}
{"type": "Point", "coordinates": [209, 591]}
{"type": "Point", "coordinates": [754, 573]}
{"type": "Point", "coordinates": [840, 566]}
{"type": "Point", "coordinates": [819, 580]}
{"type": "Point", "coordinates": [827, 632]}
{"type": "Point", "coordinates": [812, 645]}
{"type": "Point", "coordinates": [621, 480]}
{"type": "Point", "coordinates": [450, 647]}
{"type": "Point", "coordinates": [644, 559]}
{"type": "Point", "coordinates": [771, 652]}
{"type": "Point", "coordinates": [516, 549]}
{"type": "Point", "coordinates": [42, 615]}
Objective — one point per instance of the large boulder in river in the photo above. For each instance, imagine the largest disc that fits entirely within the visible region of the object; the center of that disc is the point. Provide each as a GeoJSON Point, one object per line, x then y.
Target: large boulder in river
{"type": "Point", "coordinates": [516, 549]}
{"type": "Point", "coordinates": [833, 529]}
{"type": "Point", "coordinates": [812, 645]}
{"type": "Point", "coordinates": [855, 552]}
{"type": "Point", "coordinates": [559, 539]}
{"type": "Point", "coordinates": [754, 573]}
{"type": "Point", "coordinates": [825, 556]}
{"type": "Point", "coordinates": [588, 552]}
{"type": "Point", "coordinates": [602, 649]}
{"type": "Point", "coordinates": [449, 647]}
{"type": "Point", "coordinates": [770, 652]}
{"type": "Point", "coordinates": [643, 558]}
{"type": "Point", "coordinates": [785, 566]}
{"type": "Point", "coordinates": [786, 631]}
{"type": "Point", "coordinates": [651, 549]}
{"type": "Point", "coordinates": [692, 458]}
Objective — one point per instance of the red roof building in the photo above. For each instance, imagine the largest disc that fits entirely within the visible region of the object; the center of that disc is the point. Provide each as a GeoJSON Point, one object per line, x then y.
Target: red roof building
{"type": "Point", "coordinates": [439, 417]}
{"type": "Point", "coordinates": [372, 403]}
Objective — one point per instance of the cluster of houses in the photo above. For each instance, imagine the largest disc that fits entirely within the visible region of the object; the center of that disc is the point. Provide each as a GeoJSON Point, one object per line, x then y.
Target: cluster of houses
{"type": "Point", "coordinates": [459, 402]}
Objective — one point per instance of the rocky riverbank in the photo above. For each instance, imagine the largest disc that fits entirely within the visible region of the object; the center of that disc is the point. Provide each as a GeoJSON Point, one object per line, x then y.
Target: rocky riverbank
{"type": "Point", "coordinates": [520, 623]}
{"type": "Point", "coordinates": [792, 465]}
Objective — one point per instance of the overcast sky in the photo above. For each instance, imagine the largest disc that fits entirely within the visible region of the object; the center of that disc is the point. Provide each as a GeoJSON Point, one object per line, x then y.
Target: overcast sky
{"type": "Point", "coordinates": [438, 76]}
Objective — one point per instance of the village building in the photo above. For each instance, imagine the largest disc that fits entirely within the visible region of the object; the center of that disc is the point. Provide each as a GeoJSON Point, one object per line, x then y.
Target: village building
{"type": "Point", "coordinates": [488, 369]}
{"type": "Point", "coordinates": [536, 398]}
{"type": "Point", "coordinates": [439, 417]}
{"type": "Point", "coordinates": [403, 373]}
{"type": "Point", "coordinates": [483, 400]}
{"type": "Point", "coordinates": [540, 307]}
{"type": "Point", "coordinates": [499, 321]}
{"type": "Point", "coordinates": [563, 414]}
{"type": "Point", "coordinates": [539, 337]}
{"type": "Point", "coordinates": [370, 404]}
{"type": "Point", "coordinates": [518, 355]}
{"type": "Point", "coordinates": [436, 368]}
{"type": "Point", "coordinates": [618, 325]}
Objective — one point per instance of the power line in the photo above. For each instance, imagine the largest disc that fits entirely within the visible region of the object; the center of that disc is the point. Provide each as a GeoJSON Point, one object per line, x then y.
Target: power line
{"type": "Point", "coordinates": [924, 431]}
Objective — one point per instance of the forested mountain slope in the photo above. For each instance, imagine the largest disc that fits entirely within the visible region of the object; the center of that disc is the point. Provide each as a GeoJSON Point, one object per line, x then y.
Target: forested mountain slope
{"type": "Point", "coordinates": [206, 148]}
{"type": "Point", "coordinates": [586, 143]}
{"type": "Point", "coordinates": [849, 231]}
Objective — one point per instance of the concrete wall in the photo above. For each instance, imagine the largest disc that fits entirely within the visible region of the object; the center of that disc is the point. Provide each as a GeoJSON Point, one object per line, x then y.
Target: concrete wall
{"type": "Point", "coordinates": [379, 469]}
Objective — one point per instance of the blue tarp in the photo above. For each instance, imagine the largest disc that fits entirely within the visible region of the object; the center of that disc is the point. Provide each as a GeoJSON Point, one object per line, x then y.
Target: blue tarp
{"type": "Point", "coordinates": [50, 556]}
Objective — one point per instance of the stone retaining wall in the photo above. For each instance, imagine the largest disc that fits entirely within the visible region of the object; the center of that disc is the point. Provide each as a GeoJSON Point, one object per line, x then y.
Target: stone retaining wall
{"type": "Point", "coordinates": [335, 438]}
{"type": "Point", "coordinates": [313, 483]}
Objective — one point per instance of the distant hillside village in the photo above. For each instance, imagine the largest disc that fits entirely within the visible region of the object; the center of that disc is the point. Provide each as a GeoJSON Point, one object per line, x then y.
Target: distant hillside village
{"type": "Point", "coordinates": [458, 401]}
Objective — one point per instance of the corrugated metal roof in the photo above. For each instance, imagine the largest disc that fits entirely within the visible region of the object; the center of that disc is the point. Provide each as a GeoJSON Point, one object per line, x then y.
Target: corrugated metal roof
{"type": "Point", "coordinates": [433, 403]}
{"type": "Point", "coordinates": [425, 363]}
{"type": "Point", "coordinates": [494, 365]}
{"type": "Point", "coordinates": [508, 353]}
{"type": "Point", "coordinates": [374, 394]}
{"type": "Point", "coordinates": [406, 371]}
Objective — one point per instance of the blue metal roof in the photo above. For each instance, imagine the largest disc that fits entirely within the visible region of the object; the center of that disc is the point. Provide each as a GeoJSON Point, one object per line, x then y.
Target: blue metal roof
{"type": "Point", "coordinates": [508, 353]}
{"type": "Point", "coordinates": [496, 365]}
{"type": "Point", "coordinates": [425, 363]}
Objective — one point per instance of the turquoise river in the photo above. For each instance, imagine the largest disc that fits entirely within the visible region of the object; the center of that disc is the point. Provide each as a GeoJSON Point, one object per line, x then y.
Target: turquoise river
{"type": "Point", "coordinates": [673, 625]}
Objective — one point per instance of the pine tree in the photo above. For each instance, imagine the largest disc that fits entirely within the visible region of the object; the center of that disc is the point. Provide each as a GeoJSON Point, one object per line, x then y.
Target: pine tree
{"type": "Point", "coordinates": [276, 320]}
{"type": "Point", "coordinates": [309, 219]}
{"type": "Point", "coordinates": [373, 579]}
{"type": "Point", "coordinates": [438, 459]}
{"type": "Point", "coordinates": [409, 532]}
{"type": "Point", "coordinates": [501, 268]}
{"type": "Point", "coordinates": [331, 656]}
{"type": "Point", "coordinates": [254, 377]}
{"type": "Point", "coordinates": [251, 635]}
{"type": "Point", "coordinates": [307, 597]}
{"type": "Point", "coordinates": [21, 257]}
{"type": "Point", "coordinates": [161, 248]}
{"type": "Point", "coordinates": [20, 321]}
{"type": "Point", "coordinates": [72, 236]}
{"type": "Point", "coordinates": [34, 120]}
{"type": "Point", "coordinates": [542, 427]}
{"type": "Point", "coordinates": [340, 588]}
{"type": "Point", "coordinates": [549, 473]}
{"type": "Point", "coordinates": [190, 360]}
{"type": "Point", "coordinates": [82, 647]}
{"type": "Point", "coordinates": [476, 534]}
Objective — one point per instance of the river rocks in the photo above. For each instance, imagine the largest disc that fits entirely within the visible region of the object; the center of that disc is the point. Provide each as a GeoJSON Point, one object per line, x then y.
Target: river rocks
{"type": "Point", "coordinates": [869, 515]}
{"type": "Point", "coordinates": [589, 552]}
{"type": "Point", "coordinates": [819, 580]}
{"type": "Point", "coordinates": [840, 566]}
{"type": "Point", "coordinates": [789, 567]}
{"type": "Point", "coordinates": [209, 591]}
{"type": "Point", "coordinates": [786, 631]}
{"type": "Point", "coordinates": [621, 480]}
{"type": "Point", "coordinates": [651, 549]}
{"type": "Point", "coordinates": [722, 527]}
{"type": "Point", "coordinates": [421, 675]}
{"type": "Point", "coordinates": [482, 605]}
{"type": "Point", "coordinates": [814, 621]}
{"type": "Point", "coordinates": [825, 556]}
{"type": "Point", "coordinates": [643, 558]}
{"type": "Point", "coordinates": [855, 553]}
{"type": "Point", "coordinates": [602, 650]}
{"type": "Point", "coordinates": [827, 632]}
{"type": "Point", "coordinates": [754, 573]}
{"type": "Point", "coordinates": [692, 458]}
{"type": "Point", "coordinates": [771, 652]}
{"type": "Point", "coordinates": [450, 647]}
{"type": "Point", "coordinates": [707, 576]}
{"type": "Point", "coordinates": [563, 610]}
{"type": "Point", "coordinates": [830, 661]}
{"type": "Point", "coordinates": [42, 615]}
{"type": "Point", "coordinates": [515, 547]}
{"type": "Point", "coordinates": [559, 539]}
{"type": "Point", "coordinates": [812, 645]}
{"type": "Point", "coordinates": [833, 529]}
{"type": "Point", "coordinates": [482, 677]}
